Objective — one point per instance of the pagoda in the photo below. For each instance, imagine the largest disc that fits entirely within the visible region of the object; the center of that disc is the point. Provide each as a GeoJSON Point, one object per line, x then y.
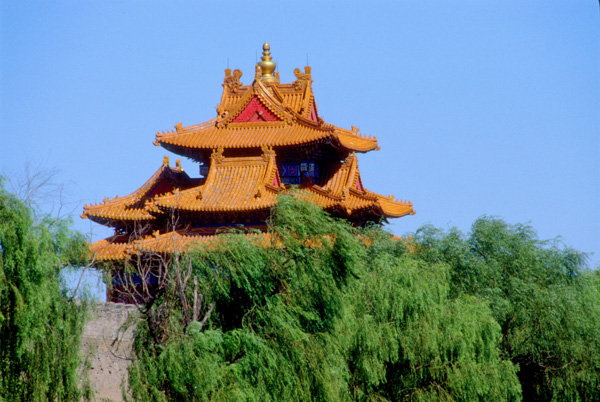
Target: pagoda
{"type": "Point", "coordinates": [265, 138]}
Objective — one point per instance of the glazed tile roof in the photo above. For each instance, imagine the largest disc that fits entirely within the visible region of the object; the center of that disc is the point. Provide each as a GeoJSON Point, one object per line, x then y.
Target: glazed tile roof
{"type": "Point", "coordinates": [114, 248]}
{"type": "Point", "coordinates": [137, 206]}
{"type": "Point", "coordinates": [118, 248]}
{"type": "Point", "coordinates": [295, 122]}
{"type": "Point", "coordinates": [292, 96]}
{"type": "Point", "coordinates": [242, 184]}
{"type": "Point", "coordinates": [243, 135]}
{"type": "Point", "coordinates": [265, 115]}
{"type": "Point", "coordinates": [233, 184]}
{"type": "Point", "coordinates": [343, 188]}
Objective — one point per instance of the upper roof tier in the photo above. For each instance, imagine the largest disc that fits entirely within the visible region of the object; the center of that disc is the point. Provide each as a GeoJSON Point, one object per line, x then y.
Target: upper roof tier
{"type": "Point", "coordinates": [264, 113]}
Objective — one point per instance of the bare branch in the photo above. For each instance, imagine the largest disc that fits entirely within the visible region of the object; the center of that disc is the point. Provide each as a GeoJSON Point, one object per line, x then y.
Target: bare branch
{"type": "Point", "coordinates": [208, 313]}
{"type": "Point", "coordinates": [195, 312]}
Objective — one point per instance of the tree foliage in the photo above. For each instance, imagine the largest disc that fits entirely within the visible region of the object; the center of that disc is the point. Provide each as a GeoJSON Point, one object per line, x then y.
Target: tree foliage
{"type": "Point", "coordinates": [327, 311]}
{"type": "Point", "coordinates": [39, 328]}
{"type": "Point", "coordinates": [546, 302]}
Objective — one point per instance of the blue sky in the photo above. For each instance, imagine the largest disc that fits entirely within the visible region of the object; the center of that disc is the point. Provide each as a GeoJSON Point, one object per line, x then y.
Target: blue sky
{"type": "Point", "coordinates": [480, 108]}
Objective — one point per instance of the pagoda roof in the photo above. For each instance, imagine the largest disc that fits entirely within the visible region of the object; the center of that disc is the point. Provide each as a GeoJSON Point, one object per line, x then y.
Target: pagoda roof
{"type": "Point", "coordinates": [242, 184]}
{"type": "Point", "coordinates": [137, 206]}
{"type": "Point", "coordinates": [122, 247]}
{"type": "Point", "coordinates": [282, 120]}
{"type": "Point", "coordinates": [264, 114]}
{"type": "Point", "coordinates": [232, 184]}
{"type": "Point", "coordinates": [236, 184]}
{"type": "Point", "coordinates": [343, 189]}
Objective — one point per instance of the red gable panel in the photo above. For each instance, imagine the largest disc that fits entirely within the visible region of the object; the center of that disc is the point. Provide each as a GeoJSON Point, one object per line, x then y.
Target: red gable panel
{"type": "Point", "coordinates": [255, 111]}
{"type": "Point", "coordinates": [313, 113]}
{"type": "Point", "coordinates": [359, 185]}
{"type": "Point", "coordinates": [276, 182]}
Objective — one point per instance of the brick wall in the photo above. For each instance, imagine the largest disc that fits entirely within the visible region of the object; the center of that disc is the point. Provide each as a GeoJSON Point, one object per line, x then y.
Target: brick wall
{"type": "Point", "coordinates": [108, 348]}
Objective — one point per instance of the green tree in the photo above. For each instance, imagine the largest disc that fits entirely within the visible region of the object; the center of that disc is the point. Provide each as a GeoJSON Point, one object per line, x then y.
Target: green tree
{"type": "Point", "coordinates": [39, 328]}
{"type": "Point", "coordinates": [324, 312]}
{"type": "Point", "coordinates": [541, 294]}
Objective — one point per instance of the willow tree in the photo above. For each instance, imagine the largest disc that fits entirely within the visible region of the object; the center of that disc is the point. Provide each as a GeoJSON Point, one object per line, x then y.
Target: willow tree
{"type": "Point", "coordinates": [39, 328]}
{"type": "Point", "coordinates": [541, 294]}
{"type": "Point", "coordinates": [324, 312]}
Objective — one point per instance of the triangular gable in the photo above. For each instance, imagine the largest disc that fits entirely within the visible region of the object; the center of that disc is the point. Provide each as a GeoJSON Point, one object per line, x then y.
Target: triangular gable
{"type": "Point", "coordinates": [255, 111]}
{"type": "Point", "coordinates": [359, 185]}
{"type": "Point", "coordinates": [162, 186]}
{"type": "Point", "coordinates": [313, 112]}
{"type": "Point", "coordinates": [276, 181]}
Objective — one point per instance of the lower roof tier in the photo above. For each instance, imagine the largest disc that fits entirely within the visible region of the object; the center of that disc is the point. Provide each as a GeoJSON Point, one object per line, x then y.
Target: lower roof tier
{"type": "Point", "coordinates": [120, 248]}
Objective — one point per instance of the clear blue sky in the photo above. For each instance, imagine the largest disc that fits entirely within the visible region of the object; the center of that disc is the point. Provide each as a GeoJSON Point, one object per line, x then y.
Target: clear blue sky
{"type": "Point", "coordinates": [479, 107]}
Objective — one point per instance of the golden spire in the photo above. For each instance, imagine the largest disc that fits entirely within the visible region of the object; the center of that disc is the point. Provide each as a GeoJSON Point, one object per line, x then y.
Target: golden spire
{"type": "Point", "coordinates": [267, 66]}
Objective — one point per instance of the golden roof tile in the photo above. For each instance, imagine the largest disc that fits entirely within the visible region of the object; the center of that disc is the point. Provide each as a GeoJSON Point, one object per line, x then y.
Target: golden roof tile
{"type": "Point", "coordinates": [343, 189]}
{"type": "Point", "coordinates": [295, 110]}
{"type": "Point", "coordinates": [243, 135]}
{"type": "Point", "coordinates": [355, 142]}
{"type": "Point", "coordinates": [116, 249]}
{"type": "Point", "coordinates": [110, 249]}
{"type": "Point", "coordinates": [243, 184]}
{"type": "Point", "coordinates": [265, 114]}
{"type": "Point", "coordinates": [137, 205]}
{"type": "Point", "coordinates": [233, 184]}
{"type": "Point", "coordinates": [395, 209]}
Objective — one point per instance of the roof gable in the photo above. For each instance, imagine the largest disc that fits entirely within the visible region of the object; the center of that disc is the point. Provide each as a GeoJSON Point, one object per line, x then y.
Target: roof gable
{"type": "Point", "coordinates": [264, 113]}
{"type": "Point", "coordinates": [232, 184]}
{"type": "Point", "coordinates": [255, 111]}
{"type": "Point", "coordinates": [135, 206]}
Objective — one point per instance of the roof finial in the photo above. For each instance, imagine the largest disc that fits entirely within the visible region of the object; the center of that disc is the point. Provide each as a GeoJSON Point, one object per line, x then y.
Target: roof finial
{"type": "Point", "coordinates": [267, 66]}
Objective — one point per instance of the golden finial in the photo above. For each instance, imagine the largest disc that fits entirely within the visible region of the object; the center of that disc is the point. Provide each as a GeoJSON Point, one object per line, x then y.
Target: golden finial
{"type": "Point", "coordinates": [267, 66]}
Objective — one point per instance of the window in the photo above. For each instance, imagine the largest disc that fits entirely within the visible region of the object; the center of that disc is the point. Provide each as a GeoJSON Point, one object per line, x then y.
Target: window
{"type": "Point", "coordinates": [299, 172]}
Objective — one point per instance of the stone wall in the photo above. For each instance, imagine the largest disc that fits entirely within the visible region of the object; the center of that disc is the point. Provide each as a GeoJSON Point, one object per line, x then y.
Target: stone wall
{"type": "Point", "coordinates": [108, 349]}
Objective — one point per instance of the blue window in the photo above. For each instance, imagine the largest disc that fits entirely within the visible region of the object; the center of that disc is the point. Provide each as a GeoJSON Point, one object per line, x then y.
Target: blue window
{"type": "Point", "coordinates": [298, 172]}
